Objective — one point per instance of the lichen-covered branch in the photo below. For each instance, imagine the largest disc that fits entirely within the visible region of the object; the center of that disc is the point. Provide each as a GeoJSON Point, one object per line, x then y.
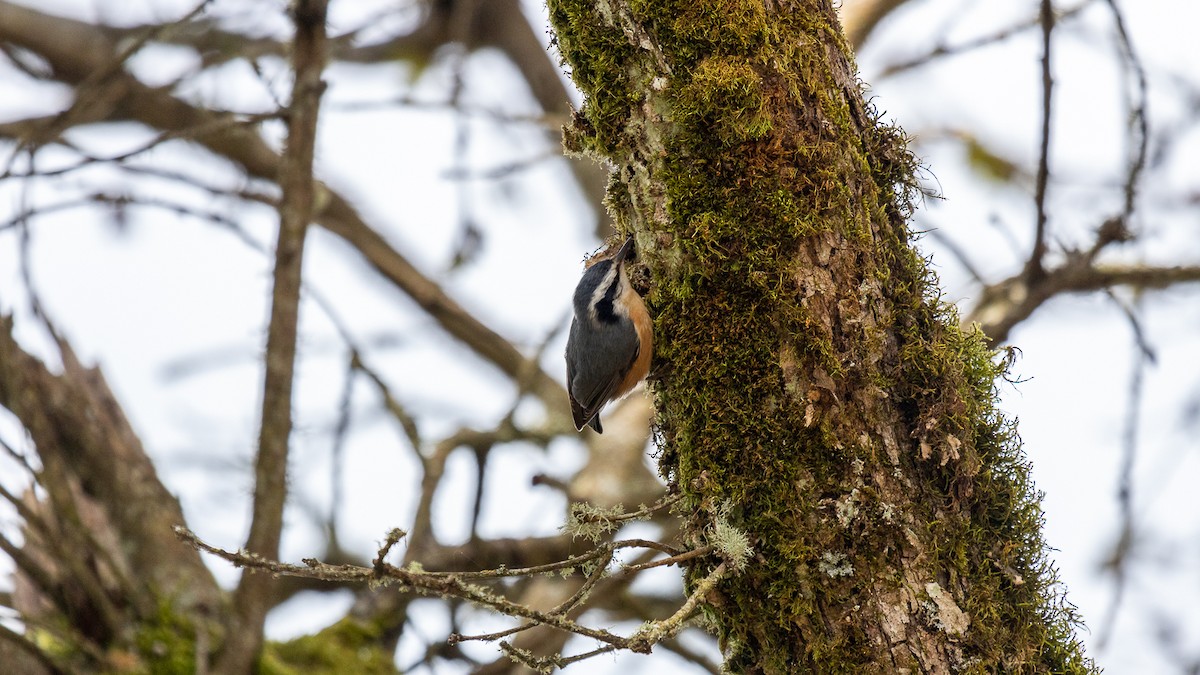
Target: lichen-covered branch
{"type": "Point", "coordinates": [415, 579]}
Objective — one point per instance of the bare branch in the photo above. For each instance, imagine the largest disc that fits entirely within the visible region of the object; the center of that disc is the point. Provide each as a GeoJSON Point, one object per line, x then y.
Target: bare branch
{"type": "Point", "coordinates": [453, 585]}
{"type": "Point", "coordinates": [1007, 303]}
{"type": "Point", "coordinates": [253, 596]}
{"type": "Point", "coordinates": [570, 604]}
{"type": "Point", "coordinates": [221, 122]}
{"type": "Point", "coordinates": [1118, 562]}
{"type": "Point", "coordinates": [442, 585]}
{"type": "Point", "coordinates": [407, 422]}
{"type": "Point", "coordinates": [980, 42]}
{"type": "Point", "coordinates": [1139, 124]}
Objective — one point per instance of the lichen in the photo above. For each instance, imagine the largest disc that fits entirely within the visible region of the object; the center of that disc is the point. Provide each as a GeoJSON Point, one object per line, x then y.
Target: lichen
{"type": "Point", "coordinates": [732, 544]}
{"type": "Point", "coordinates": [834, 564]}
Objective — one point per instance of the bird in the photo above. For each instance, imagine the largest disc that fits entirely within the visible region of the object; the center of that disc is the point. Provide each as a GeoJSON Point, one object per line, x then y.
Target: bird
{"type": "Point", "coordinates": [611, 338]}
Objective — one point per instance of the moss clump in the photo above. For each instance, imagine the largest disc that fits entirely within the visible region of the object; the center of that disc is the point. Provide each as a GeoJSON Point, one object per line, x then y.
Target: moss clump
{"type": "Point", "coordinates": [166, 645]}
{"type": "Point", "coordinates": [599, 58]}
{"type": "Point", "coordinates": [983, 512]}
{"type": "Point", "coordinates": [698, 29]}
{"type": "Point", "coordinates": [724, 97]}
{"type": "Point", "coordinates": [348, 646]}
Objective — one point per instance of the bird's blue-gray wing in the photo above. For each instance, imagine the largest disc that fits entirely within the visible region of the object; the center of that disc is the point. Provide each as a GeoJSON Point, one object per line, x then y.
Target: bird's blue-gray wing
{"type": "Point", "coordinates": [602, 358]}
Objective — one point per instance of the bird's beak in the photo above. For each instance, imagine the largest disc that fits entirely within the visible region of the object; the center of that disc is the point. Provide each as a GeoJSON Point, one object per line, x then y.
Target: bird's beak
{"type": "Point", "coordinates": [624, 252]}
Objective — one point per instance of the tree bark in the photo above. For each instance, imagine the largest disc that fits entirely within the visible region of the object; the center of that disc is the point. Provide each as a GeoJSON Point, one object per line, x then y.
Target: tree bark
{"type": "Point", "coordinates": [814, 392]}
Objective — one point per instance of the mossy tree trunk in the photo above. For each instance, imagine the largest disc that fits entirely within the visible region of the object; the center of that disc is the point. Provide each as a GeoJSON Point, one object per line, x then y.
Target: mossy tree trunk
{"type": "Point", "coordinates": [811, 387]}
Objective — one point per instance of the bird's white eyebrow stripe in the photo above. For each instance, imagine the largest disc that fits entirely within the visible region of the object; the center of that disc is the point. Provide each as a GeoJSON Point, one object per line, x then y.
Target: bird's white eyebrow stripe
{"type": "Point", "coordinates": [602, 288]}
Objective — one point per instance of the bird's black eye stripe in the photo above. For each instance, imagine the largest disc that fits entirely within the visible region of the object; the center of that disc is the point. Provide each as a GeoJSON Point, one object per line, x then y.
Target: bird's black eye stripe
{"type": "Point", "coordinates": [604, 308]}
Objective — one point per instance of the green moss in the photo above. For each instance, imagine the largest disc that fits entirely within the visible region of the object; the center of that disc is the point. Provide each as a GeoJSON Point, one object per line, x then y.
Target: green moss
{"type": "Point", "coordinates": [599, 57]}
{"type": "Point", "coordinates": [1018, 613]}
{"type": "Point", "coordinates": [163, 644]}
{"type": "Point", "coordinates": [166, 645]}
{"type": "Point", "coordinates": [349, 646]}
{"type": "Point", "coordinates": [689, 31]}
{"type": "Point", "coordinates": [51, 643]}
{"type": "Point", "coordinates": [725, 97]}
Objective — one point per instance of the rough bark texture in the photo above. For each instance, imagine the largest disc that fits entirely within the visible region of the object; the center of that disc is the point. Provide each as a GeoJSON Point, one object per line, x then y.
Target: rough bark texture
{"type": "Point", "coordinates": [813, 390]}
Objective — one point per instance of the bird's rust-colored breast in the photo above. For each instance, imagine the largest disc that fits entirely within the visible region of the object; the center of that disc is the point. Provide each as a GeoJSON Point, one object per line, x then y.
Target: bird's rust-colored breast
{"type": "Point", "coordinates": [645, 333]}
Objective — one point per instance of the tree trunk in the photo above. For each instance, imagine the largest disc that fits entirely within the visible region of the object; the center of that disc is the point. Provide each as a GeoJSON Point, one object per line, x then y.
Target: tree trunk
{"type": "Point", "coordinates": [813, 390]}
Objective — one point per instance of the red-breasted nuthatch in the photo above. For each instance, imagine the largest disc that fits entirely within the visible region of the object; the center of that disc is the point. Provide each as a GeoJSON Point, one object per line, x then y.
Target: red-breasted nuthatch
{"type": "Point", "coordinates": [608, 351]}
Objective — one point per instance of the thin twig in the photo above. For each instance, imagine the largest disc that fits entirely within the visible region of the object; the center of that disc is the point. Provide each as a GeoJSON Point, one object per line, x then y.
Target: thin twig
{"type": "Point", "coordinates": [1139, 119]}
{"type": "Point", "coordinates": [481, 457]}
{"type": "Point", "coordinates": [434, 465]}
{"type": "Point", "coordinates": [501, 171]}
{"type": "Point", "coordinates": [564, 661]}
{"type": "Point", "coordinates": [1118, 562]}
{"type": "Point", "coordinates": [20, 458]}
{"type": "Point", "coordinates": [218, 124]}
{"type": "Point", "coordinates": [683, 651]}
{"type": "Point", "coordinates": [660, 630]}
{"type": "Point", "coordinates": [442, 585]}
{"type": "Point", "coordinates": [562, 609]}
{"type": "Point", "coordinates": [337, 449]}
{"type": "Point", "coordinates": [569, 604]}
{"type": "Point", "coordinates": [567, 564]}
{"type": "Point", "coordinates": [979, 42]}
{"type": "Point", "coordinates": [959, 253]}
{"type": "Point", "coordinates": [393, 538]}
{"type": "Point", "coordinates": [251, 152]}
{"type": "Point", "coordinates": [545, 120]}
{"type": "Point", "coordinates": [456, 638]}
{"type": "Point", "coordinates": [89, 92]}
{"type": "Point", "coordinates": [407, 422]}
{"type": "Point", "coordinates": [1035, 268]}
{"type": "Point", "coordinates": [453, 585]}
{"type": "Point", "coordinates": [581, 594]}
{"type": "Point", "coordinates": [673, 560]}
{"type": "Point", "coordinates": [34, 570]}
{"type": "Point", "coordinates": [640, 514]}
